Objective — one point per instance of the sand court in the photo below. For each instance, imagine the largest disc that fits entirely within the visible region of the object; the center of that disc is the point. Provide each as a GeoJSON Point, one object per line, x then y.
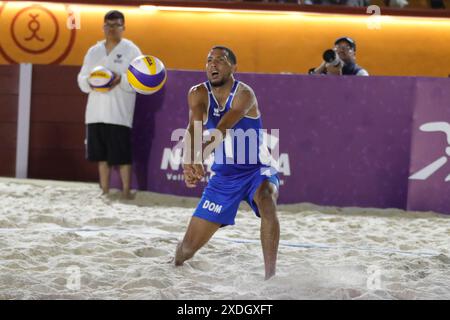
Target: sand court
{"type": "Point", "coordinates": [64, 241]}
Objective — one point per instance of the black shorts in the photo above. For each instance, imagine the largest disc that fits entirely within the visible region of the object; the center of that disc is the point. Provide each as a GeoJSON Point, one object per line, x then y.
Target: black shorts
{"type": "Point", "coordinates": [108, 142]}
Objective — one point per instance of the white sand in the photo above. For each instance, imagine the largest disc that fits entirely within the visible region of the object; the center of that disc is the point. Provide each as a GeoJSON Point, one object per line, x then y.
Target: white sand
{"type": "Point", "coordinates": [51, 232]}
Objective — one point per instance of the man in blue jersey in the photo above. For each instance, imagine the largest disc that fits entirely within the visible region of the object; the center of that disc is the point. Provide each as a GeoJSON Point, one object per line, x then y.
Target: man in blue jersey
{"type": "Point", "coordinates": [220, 104]}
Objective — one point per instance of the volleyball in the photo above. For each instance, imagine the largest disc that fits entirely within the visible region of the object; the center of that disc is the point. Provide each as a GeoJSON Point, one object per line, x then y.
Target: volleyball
{"type": "Point", "coordinates": [100, 78]}
{"type": "Point", "coordinates": [146, 74]}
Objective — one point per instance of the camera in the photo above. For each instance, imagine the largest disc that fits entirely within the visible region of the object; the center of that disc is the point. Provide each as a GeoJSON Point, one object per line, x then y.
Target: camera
{"type": "Point", "coordinates": [330, 56]}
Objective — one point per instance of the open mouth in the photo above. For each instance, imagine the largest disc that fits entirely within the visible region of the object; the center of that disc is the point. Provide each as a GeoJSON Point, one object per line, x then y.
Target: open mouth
{"type": "Point", "coordinates": [214, 73]}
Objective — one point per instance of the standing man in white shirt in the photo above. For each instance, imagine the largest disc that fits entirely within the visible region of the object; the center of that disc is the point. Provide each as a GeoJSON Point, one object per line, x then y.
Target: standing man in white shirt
{"type": "Point", "coordinates": [109, 115]}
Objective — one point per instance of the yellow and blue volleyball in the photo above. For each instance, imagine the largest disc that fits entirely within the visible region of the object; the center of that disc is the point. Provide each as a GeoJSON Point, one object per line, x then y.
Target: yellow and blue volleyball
{"type": "Point", "coordinates": [101, 78]}
{"type": "Point", "coordinates": [146, 74]}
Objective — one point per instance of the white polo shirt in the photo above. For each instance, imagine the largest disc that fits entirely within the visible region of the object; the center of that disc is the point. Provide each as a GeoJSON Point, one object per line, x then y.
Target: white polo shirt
{"type": "Point", "coordinates": [117, 105]}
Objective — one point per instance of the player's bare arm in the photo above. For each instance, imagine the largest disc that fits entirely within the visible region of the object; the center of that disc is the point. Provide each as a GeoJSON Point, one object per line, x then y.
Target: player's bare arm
{"type": "Point", "coordinates": [197, 98]}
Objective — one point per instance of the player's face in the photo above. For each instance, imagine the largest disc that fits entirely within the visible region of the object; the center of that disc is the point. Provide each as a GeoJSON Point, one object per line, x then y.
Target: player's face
{"type": "Point", "coordinates": [113, 29]}
{"type": "Point", "coordinates": [344, 51]}
{"type": "Point", "coordinates": [218, 67]}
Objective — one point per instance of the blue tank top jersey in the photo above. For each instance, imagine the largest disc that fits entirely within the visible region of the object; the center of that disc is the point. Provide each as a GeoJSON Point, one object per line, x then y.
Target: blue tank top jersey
{"type": "Point", "coordinates": [239, 152]}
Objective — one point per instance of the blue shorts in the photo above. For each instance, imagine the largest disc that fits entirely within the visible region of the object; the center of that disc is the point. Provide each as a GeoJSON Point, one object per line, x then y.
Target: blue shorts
{"type": "Point", "coordinates": [223, 194]}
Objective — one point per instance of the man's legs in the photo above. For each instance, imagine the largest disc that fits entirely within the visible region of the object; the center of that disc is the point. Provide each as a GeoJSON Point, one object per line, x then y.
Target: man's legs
{"type": "Point", "coordinates": [266, 200]}
{"type": "Point", "coordinates": [125, 175]}
{"type": "Point", "coordinates": [104, 171]}
{"type": "Point", "coordinates": [197, 235]}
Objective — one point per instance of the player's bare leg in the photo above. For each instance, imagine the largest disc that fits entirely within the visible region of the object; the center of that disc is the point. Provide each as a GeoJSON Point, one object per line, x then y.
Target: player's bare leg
{"type": "Point", "coordinates": [266, 200]}
{"type": "Point", "coordinates": [104, 172]}
{"type": "Point", "coordinates": [125, 175]}
{"type": "Point", "coordinates": [197, 235]}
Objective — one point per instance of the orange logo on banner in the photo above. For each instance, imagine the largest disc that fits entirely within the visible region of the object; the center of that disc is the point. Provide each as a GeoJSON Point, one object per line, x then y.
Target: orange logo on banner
{"type": "Point", "coordinates": [37, 33]}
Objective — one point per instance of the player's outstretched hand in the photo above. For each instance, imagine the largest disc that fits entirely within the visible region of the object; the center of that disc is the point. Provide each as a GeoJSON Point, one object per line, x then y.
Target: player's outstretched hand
{"type": "Point", "coordinates": [193, 173]}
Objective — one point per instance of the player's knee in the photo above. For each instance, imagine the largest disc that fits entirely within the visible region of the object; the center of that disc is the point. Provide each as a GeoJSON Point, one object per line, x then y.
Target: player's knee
{"type": "Point", "coordinates": [265, 199]}
{"type": "Point", "coordinates": [265, 196]}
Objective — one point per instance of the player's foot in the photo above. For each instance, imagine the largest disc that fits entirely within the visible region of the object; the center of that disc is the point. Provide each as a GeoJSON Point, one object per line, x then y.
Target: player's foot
{"type": "Point", "coordinates": [178, 261]}
{"type": "Point", "coordinates": [127, 195]}
{"type": "Point", "coordinates": [269, 275]}
{"type": "Point", "coordinates": [102, 194]}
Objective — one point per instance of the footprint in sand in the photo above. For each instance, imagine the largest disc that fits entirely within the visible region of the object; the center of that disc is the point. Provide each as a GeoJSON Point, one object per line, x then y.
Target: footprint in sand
{"type": "Point", "coordinates": [377, 238]}
{"type": "Point", "coordinates": [150, 252]}
{"type": "Point", "coordinates": [121, 254]}
{"type": "Point", "coordinates": [407, 247]}
{"type": "Point", "coordinates": [146, 283]}
{"type": "Point", "coordinates": [443, 258]}
{"type": "Point", "coordinates": [50, 219]}
{"type": "Point", "coordinates": [102, 222]}
{"type": "Point", "coordinates": [201, 265]}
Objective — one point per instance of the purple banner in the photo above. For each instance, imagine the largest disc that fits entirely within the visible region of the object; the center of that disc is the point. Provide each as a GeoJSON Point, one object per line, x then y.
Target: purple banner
{"type": "Point", "coordinates": [429, 184]}
{"type": "Point", "coordinates": [343, 141]}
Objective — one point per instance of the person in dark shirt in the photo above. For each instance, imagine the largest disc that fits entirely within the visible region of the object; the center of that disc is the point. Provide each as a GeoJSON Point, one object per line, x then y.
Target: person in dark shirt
{"type": "Point", "coordinates": [345, 63]}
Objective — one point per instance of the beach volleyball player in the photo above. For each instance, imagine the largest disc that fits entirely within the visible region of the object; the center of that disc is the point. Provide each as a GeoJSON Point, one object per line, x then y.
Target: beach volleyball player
{"type": "Point", "coordinates": [220, 104]}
